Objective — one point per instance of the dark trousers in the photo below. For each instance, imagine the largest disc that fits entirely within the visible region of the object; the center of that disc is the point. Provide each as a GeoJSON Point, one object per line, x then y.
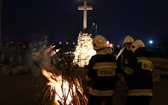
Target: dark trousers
{"type": "Point", "coordinates": [138, 100]}
{"type": "Point", "coordinates": [100, 100]}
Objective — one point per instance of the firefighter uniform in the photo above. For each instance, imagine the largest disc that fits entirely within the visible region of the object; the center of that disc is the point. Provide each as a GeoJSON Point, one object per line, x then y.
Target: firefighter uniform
{"type": "Point", "coordinates": [125, 54]}
{"type": "Point", "coordinates": [138, 75]}
{"type": "Point", "coordinates": [102, 73]}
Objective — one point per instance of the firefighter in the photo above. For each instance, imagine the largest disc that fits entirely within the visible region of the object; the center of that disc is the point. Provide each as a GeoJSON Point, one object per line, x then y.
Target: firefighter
{"type": "Point", "coordinates": [101, 73]}
{"type": "Point", "coordinates": [124, 56]}
{"type": "Point", "coordinates": [138, 75]}
{"type": "Point", "coordinates": [127, 53]}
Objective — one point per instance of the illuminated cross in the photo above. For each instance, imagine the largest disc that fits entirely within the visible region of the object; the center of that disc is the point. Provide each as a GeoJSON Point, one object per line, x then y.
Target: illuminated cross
{"type": "Point", "coordinates": [85, 8]}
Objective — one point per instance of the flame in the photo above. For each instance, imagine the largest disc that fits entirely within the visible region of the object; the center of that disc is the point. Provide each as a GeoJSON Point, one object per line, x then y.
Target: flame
{"type": "Point", "coordinates": [63, 89]}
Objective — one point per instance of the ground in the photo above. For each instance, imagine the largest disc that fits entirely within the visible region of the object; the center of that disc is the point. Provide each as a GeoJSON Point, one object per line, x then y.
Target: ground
{"type": "Point", "coordinates": [20, 89]}
{"type": "Point", "coordinates": [25, 89]}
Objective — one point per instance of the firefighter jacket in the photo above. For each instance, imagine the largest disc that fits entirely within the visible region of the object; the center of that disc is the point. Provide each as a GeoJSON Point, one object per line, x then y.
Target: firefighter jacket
{"type": "Point", "coordinates": [102, 72]}
{"type": "Point", "coordinates": [125, 58]}
{"type": "Point", "coordinates": [138, 74]}
{"type": "Point", "coordinates": [127, 55]}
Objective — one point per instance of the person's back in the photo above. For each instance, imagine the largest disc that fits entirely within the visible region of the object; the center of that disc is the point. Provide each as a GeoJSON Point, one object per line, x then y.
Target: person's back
{"type": "Point", "coordinates": [139, 76]}
{"type": "Point", "coordinates": [101, 73]}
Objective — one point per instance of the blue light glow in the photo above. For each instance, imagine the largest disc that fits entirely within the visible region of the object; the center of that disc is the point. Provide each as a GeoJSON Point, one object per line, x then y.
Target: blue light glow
{"type": "Point", "coordinates": [151, 42]}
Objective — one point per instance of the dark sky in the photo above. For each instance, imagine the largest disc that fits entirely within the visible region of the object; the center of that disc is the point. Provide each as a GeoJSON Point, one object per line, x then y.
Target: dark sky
{"type": "Point", "coordinates": [61, 19]}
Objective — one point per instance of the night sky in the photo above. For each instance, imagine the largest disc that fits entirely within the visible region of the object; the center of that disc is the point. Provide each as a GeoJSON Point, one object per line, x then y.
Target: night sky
{"type": "Point", "coordinates": [61, 20]}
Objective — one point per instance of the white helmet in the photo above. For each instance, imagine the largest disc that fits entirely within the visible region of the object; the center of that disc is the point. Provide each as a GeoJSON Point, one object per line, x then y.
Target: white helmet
{"type": "Point", "coordinates": [137, 44]}
{"type": "Point", "coordinates": [128, 39]}
{"type": "Point", "coordinates": [99, 42]}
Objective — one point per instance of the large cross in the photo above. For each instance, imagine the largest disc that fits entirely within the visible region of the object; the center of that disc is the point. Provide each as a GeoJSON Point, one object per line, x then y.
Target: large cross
{"type": "Point", "coordinates": [85, 8]}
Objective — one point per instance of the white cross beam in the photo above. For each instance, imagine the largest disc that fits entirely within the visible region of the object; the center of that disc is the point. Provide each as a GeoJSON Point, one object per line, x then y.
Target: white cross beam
{"type": "Point", "coordinates": [85, 8]}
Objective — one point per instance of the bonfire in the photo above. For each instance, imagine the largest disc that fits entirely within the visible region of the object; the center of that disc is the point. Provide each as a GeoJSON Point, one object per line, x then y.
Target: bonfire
{"type": "Point", "coordinates": [64, 86]}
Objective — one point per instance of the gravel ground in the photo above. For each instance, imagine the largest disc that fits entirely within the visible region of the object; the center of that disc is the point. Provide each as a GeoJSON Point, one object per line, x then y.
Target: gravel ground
{"type": "Point", "coordinates": [26, 90]}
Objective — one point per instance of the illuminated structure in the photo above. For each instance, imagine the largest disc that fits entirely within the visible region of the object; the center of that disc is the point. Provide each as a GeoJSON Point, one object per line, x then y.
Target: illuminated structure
{"type": "Point", "coordinates": [84, 49]}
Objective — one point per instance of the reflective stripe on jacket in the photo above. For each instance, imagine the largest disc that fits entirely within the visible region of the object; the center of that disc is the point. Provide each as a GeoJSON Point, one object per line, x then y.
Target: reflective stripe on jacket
{"type": "Point", "coordinates": [129, 71]}
{"type": "Point", "coordinates": [101, 93]}
{"type": "Point", "coordinates": [140, 92]}
{"type": "Point", "coordinates": [105, 65]}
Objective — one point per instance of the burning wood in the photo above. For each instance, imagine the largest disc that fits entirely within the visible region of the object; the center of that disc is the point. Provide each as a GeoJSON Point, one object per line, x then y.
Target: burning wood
{"type": "Point", "coordinates": [62, 90]}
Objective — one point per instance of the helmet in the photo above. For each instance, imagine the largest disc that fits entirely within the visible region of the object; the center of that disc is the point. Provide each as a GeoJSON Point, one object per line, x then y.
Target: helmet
{"type": "Point", "coordinates": [137, 44]}
{"type": "Point", "coordinates": [128, 39]}
{"type": "Point", "coordinates": [99, 42]}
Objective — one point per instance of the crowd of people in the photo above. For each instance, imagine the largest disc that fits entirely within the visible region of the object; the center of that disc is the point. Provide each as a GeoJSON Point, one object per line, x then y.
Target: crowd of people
{"type": "Point", "coordinates": [31, 54]}
{"type": "Point", "coordinates": [130, 64]}
{"type": "Point", "coordinates": [14, 54]}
